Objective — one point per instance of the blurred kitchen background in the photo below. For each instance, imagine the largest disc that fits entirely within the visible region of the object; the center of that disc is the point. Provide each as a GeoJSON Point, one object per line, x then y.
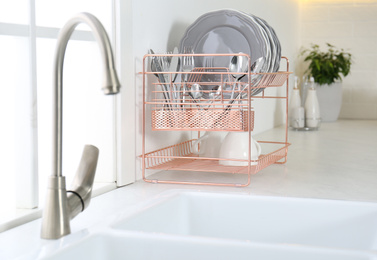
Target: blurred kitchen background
{"type": "Point", "coordinates": [351, 25]}
{"type": "Point", "coordinates": [135, 26]}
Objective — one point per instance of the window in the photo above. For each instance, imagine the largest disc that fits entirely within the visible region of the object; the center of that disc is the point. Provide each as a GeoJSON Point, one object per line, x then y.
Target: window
{"type": "Point", "coordinates": [28, 33]}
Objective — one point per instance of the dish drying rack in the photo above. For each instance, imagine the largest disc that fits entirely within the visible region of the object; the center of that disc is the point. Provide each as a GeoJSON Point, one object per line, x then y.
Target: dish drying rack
{"type": "Point", "coordinates": [172, 107]}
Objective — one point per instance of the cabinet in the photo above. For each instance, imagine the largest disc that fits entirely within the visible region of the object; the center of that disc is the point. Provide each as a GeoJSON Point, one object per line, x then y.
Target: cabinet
{"type": "Point", "coordinates": [209, 99]}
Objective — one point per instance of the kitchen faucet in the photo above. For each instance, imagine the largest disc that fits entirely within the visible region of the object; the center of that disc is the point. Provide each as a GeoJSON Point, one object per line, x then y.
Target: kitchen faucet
{"type": "Point", "coordinates": [62, 205]}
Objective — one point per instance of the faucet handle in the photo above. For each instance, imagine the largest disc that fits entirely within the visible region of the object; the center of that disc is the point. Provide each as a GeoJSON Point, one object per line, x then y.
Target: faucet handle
{"type": "Point", "coordinates": [62, 205]}
{"type": "Point", "coordinates": [80, 191]}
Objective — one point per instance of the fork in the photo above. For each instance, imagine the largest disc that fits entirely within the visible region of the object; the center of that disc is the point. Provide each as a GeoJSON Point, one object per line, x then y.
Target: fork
{"type": "Point", "coordinates": [187, 66]}
{"type": "Point", "coordinates": [165, 67]}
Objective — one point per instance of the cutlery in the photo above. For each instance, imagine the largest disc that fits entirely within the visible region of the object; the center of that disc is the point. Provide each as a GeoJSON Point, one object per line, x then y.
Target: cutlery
{"type": "Point", "coordinates": [196, 91]}
{"type": "Point", "coordinates": [238, 64]}
{"type": "Point", "coordinates": [187, 66]}
{"type": "Point", "coordinates": [215, 92]}
{"type": "Point", "coordinates": [165, 67]}
{"type": "Point", "coordinates": [174, 64]}
{"type": "Point", "coordinates": [156, 67]}
{"type": "Point", "coordinates": [175, 67]}
{"type": "Point", "coordinates": [255, 68]}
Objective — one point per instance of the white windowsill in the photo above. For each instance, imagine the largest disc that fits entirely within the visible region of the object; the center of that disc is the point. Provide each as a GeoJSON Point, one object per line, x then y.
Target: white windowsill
{"type": "Point", "coordinates": [13, 217]}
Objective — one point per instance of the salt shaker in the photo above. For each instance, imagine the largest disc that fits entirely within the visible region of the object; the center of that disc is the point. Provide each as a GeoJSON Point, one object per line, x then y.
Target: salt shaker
{"type": "Point", "coordinates": [312, 112]}
{"type": "Point", "coordinates": [294, 106]}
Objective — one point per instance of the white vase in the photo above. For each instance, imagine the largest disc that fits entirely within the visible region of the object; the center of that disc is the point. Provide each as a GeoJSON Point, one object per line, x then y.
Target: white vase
{"type": "Point", "coordinates": [312, 110]}
{"type": "Point", "coordinates": [330, 101]}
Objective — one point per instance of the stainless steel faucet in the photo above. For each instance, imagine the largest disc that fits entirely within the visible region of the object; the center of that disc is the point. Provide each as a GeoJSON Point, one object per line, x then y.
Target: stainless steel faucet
{"type": "Point", "coordinates": [62, 205]}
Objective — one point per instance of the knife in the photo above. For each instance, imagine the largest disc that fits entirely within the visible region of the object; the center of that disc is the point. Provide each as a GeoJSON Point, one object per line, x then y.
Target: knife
{"type": "Point", "coordinates": [174, 64]}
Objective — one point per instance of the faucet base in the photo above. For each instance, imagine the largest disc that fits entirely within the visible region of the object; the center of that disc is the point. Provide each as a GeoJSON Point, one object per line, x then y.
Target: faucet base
{"type": "Point", "coordinates": [55, 220]}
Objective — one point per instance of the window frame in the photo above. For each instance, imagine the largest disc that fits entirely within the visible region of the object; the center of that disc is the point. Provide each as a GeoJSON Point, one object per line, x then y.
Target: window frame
{"type": "Point", "coordinates": [27, 189]}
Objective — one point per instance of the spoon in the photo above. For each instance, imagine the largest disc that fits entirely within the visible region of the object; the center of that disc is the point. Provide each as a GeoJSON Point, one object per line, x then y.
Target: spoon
{"type": "Point", "coordinates": [196, 91]}
{"type": "Point", "coordinates": [238, 64]}
{"type": "Point", "coordinates": [214, 94]}
{"type": "Point", "coordinates": [256, 67]}
{"type": "Point", "coordinates": [216, 91]}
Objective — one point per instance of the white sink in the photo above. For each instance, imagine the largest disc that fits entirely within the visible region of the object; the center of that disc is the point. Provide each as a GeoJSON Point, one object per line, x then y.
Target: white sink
{"type": "Point", "coordinates": [201, 225]}
{"type": "Point", "coordinates": [123, 246]}
{"type": "Point", "coordinates": [267, 220]}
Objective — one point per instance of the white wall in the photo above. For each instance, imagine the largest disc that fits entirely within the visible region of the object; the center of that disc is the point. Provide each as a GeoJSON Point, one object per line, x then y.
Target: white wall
{"type": "Point", "coordinates": [352, 25]}
{"type": "Point", "coordinates": [161, 24]}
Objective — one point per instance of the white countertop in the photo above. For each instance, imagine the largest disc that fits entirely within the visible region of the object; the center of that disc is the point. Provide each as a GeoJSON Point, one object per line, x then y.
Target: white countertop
{"type": "Point", "coordinates": [337, 162]}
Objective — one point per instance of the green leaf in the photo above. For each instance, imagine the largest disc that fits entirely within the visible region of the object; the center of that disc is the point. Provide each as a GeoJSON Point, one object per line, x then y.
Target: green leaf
{"type": "Point", "coordinates": [327, 66]}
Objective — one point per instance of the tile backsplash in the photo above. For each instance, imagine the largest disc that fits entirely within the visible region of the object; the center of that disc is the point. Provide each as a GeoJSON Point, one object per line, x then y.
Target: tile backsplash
{"type": "Point", "coordinates": [351, 25]}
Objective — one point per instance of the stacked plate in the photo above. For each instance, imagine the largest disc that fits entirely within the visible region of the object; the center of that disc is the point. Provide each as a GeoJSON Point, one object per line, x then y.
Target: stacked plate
{"type": "Point", "coordinates": [231, 31]}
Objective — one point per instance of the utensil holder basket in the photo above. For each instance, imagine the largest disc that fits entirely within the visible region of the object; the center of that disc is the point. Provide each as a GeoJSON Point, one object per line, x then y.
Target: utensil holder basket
{"type": "Point", "coordinates": [202, 120]}
{"type": "Point", "coordinates": [171, 105]}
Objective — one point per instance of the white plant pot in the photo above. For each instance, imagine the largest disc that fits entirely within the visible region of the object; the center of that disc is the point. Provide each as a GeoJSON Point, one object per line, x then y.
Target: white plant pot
{"type": "Point", "coordinates": [330, 101]}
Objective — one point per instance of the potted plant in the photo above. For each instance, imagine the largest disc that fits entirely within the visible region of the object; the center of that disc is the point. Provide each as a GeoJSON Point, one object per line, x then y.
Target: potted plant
{"type": "Point", "coordinates": [328, 68]}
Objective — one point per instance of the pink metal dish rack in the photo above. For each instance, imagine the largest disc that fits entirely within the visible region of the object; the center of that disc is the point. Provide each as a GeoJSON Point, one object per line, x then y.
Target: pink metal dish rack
{"type": "Point", "coordinates": [172, 108]}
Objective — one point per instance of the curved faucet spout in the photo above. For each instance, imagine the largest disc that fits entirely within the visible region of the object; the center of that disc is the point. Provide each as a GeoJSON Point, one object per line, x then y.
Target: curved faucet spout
{"type": "Point", "coordinates": [59, 208]}
{"type": "Point", "coordinates": [111, 83]}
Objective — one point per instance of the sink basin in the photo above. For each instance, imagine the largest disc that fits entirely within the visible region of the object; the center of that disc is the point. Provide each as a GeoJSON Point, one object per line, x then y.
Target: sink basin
{"type": "Point", "coordinates": [123, 245]}
{"type": "Point", "coordinates": [258, 219]}
{"type": "Point", "coordinates": [203, 225]}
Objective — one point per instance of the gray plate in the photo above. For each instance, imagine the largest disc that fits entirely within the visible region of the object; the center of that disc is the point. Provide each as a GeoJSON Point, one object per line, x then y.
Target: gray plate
{"type": "Point", "coordinates": [225, 31]}
{"type": "Point", "coordinates": [230, 31]}
{"type": "Point", "coordinates": [276, 47]}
